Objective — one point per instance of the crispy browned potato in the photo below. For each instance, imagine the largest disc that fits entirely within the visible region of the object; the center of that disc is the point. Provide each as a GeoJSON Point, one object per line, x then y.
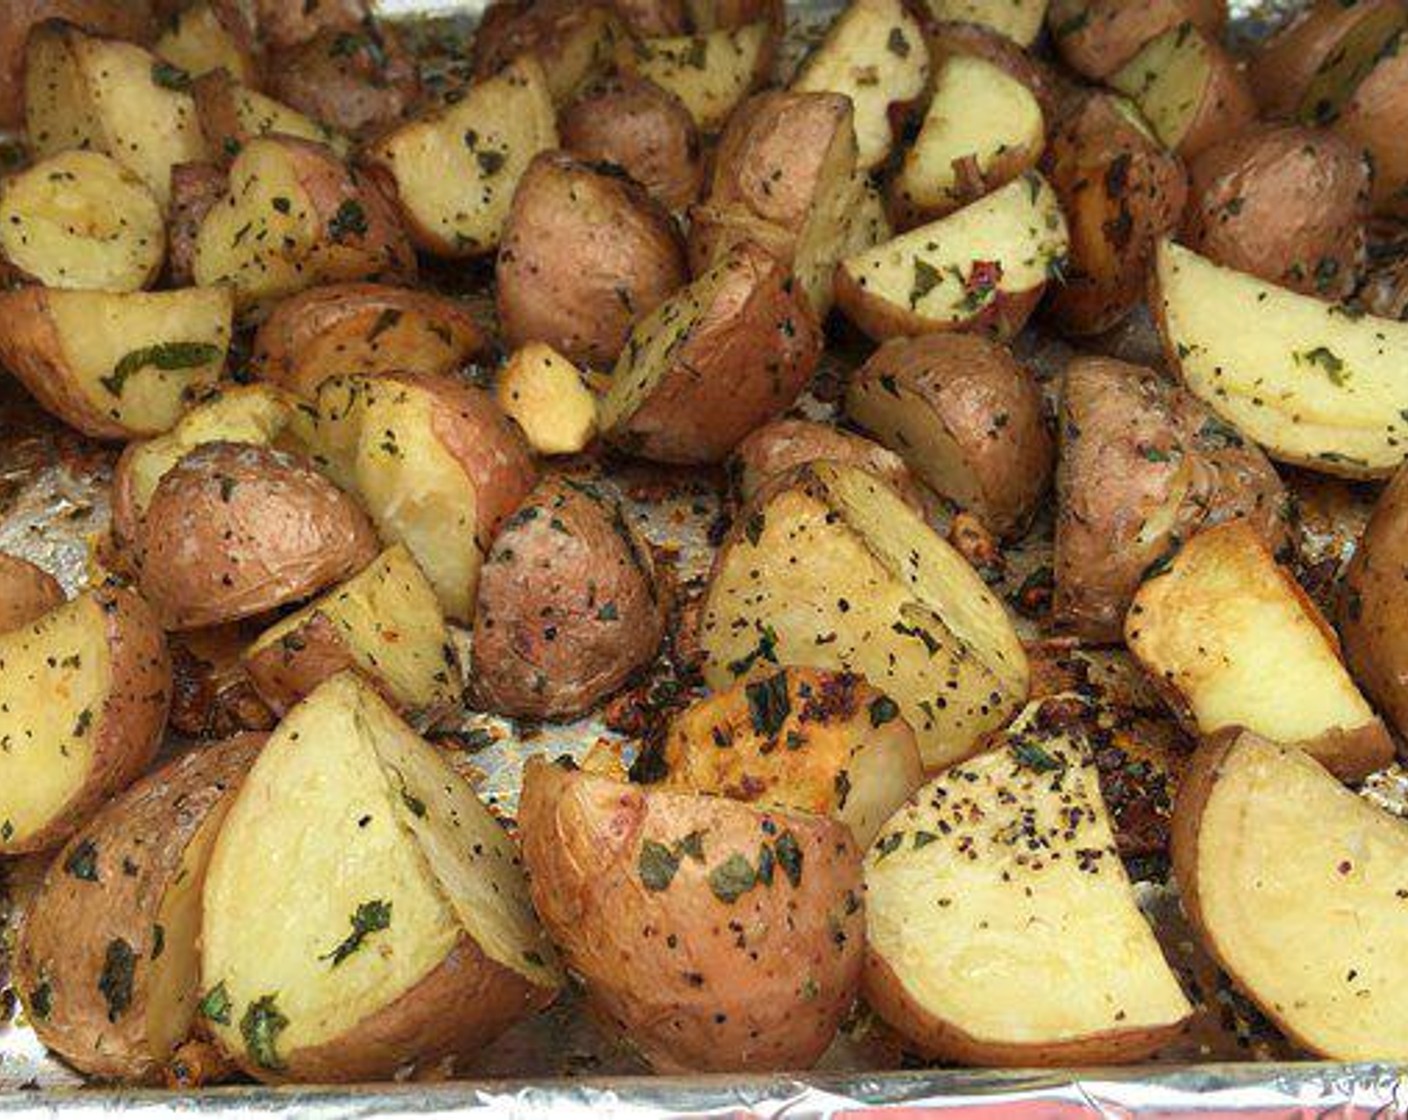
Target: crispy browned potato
{"type": "Point", "coordinates": [122, 19]}
{"type": "Point", "coordinates": [357, 82]}
{"type": "Point", "coordinates": [711, 934]}
{"type": "Point", "coordinates": [586, 253]}
{"type": "Point", "coordinates": [212, 696]}
{"type": "Point", "coordinates": [277, 531]}
{"type": "Point", "coordinates": [1121, 191]}
{"type": "Point", "coordinates": [83, 701]}
{"type": "Point", "coordinates": [1143, 466]}
{"type": "Point", "coordinates": [195, 189]}
{"type": "Point", "coordinates": [1287, 204]}
{"type": "Point", "coordinates": [1373, 119]}
{"type": "Point", "coordinates": [574, 40]}
{"type": "Point", "coordinates": [363, 329]}
{"type": "Point", "coordinates": [569, 605]}
{"type": "Point", "coordinates": [27, 592]}
{"type": "Point", "coordinates": [282, 24]}
{"type": "Point", "coordinates": [213, 35]}
{"type": "Point", "coordinates": [716, 360]}
{"type": "Point", "coordinates": [107, 961]}
{"type": "Point", "coordinates": [642, 128]}
{"type": "Point", "coordinates": [232, 114]}
{"type": "Point", "coordinates": [967, 419]}
{"type": "Point", "coordinates": [1097, 37]}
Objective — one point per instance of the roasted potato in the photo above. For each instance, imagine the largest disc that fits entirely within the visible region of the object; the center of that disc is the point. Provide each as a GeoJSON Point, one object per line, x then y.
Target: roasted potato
{"type": "Point", "coordinates": [1143, 466]}
{"type": "Point", "coordinates": [195, 189]}
{"type": "Point", "coordinates": [983, 267]}
{"type": "Point", "coordinates": [642, 128]}
{"type": "Point", "coordinates": [1121, 191]}
{"type": "Point", "coordinates": [808, 740]}
{"type": "Point", "coordinates": [1313, 383]}
{"type": "Point", "coordinates": [358, 82]}
{"type": "Point", "coordinates": [278, 532]}
{"type": "Point", "coordinates": [83, 701]}
{"type": "Point", "coordinates": [716, 360]}
{"type": "Point", "coordinates": [548, 398]}
{"type": "Point", "coordinates": [363, 329]}
{"type": "Point", "coordinates": [434, 461]}
{"type": "Point", "coordinates": [232, 114]}
{"type": "Point", "coordinates": [1097, 37]}
{"type": "Point", "coordinates": [573, 40]}
{"type": "Point", "coordinates": [646, 18]}
{"type": "Point", "coordinates": [1292, 883]}
{"type": "Point", "coordinates": [295, 216]}
{"type": "Point", "coordinates": [711, 934]}
{"type": "Point", "coordinates": [115, 365]}
{"type": "Point", "coordinates": [874, 53]}
{"type": "Point", "coordinates": [106, 963]}
{"type": "Point", "coordinates": [1234, 642]}
{"type": "Point", "coordinates": [711, 73]}
{"type": "Point", "coordinates": [212, 696]}
{"type": "Point", "coordinates": [569, 605]}
{"type": "Point", "coordinates": [81, 220]}
{"type": "Point", "coordinates": [948, 38]}
{"type": "Point", "coordinates": [585, 253]}
{"type": "Point", "coordinates": [1287, 204]}
{"type": "Point", "coordinates": [456, 167]}
{"type": "Point", "coordinates": [967, 419]}
{"type": "Point", "coordinates": [419, 945]}
{"type": "Point", "coordinates": [1018, 20]}
{"type": "Point", "coordinates": [820, 571]}
{"type": "Point", "coordinates": [1373, 117]}
{"type": "Point", "coordinates": [282, 24]}
{"type": "Point", "coordinates": [1015, 840]}
{"type": "Point", "coordinates": [1188, 88]}
{"type": "Point", "coordinates": [213, 35]}
{"type": "Point", "coordinates": [84, 91]}
{"type": "Point", "coordinates": [384, 622]}
{"type": "Point", "coordinates": [27, 593]}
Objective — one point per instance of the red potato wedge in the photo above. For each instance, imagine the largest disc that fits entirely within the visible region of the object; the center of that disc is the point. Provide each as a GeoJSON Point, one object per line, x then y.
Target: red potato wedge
{"type": "Point", "coordinates": [357, 82]}
{"type": "Point", "coordinates": [1372, 118]}
{"type": "Point", "coordinates": [282, 24]}
{"type": "Point", "coordinates": [83, 702]}
{"type": "Point", "coordinates": [213, 35]}
{"type": "Point", "coordinates": [1097, 37]}
{"type": "Point", "coordinates": [573, 40]}
{"type": "Point", "coordinates": [195, 189]}
{"type": "Point", "coordinates": [27, 593]}
{"type": "Point", "coordinates": [549, 399]}
{"type": "Point", "coordinates": [711, 73]}
{"type": "Point", "coordinates": [232, 114]}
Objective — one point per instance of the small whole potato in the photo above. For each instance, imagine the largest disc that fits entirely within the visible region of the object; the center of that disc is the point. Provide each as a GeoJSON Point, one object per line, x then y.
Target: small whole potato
{"type": "Point", "coordinates": [585, 254]}
{"type": "Point", "coordinates": [235, 530]}
{"type": "Point", "coordinates": [642, 128]}
{"type": "Point", "coordinates": [568, 605]}
{"type": "Point", "coordinates": [1287, 204]}
{"type": "Point", "coordinates": [355, 81]}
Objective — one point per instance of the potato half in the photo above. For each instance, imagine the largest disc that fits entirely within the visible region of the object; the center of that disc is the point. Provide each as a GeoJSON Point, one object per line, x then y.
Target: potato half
{"type": "Point", "coordinates": [1018, 20]}
{"type": "Point", "coordinates": [456, 167]}
{"type": "Point", "coordinates": [1296, 888]}
{"type": "Point", "coordinates": [359, 82]}
{"type": "Point", "coordinates": [1001, 926]}
{"type": "Point", "coordinates": [282, 24]}
{"type": "Point", "coordinates": [84, 692]}
{"type": "Point", "coordinates": [115, 365]}
{"type": "Point", "coordinates": [82, 91]}
{"type": "Point", "coordinates": [1234, 642]}
{"type": "Point", "coordinates": [711, 934]}
{"type": "Point", "coordinates": [106, 963]}
{"type": "Point", "coordinates": [572, 40]}
{"type": "Point", "coordinates": [820, 571]}
{"type": "Point", "coordinates": [232, 114]}
{"type": "Point", "coordinates": [1314, 383]}
{"type": "Point", "coordinates": [394, 932]}
{"type": "Point", "coordinates": [711, 73]}
{"type": "Point", "coordinates": [804, 739]}
{"type": "Point", "coordinates": [1097, 37]}
{"type": "Point", "coordinates": [549, 398]}
{"type": "Point", "coordinates": [983, 267]}
{"type": "Point", "coordinates": [213, 35]}
{"type": "Point", "coordinates": [27, 593]}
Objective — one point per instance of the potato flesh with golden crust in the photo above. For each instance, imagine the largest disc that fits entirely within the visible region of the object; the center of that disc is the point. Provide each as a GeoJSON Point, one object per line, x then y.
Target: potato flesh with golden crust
{"type": "Point", "coordinates": [27, 593]}
{"type": "Point", "coordinates": [83, 700]}
{"type": "Point", "coordinates": [1235, 642]}
{"type": "Point", "coordinates": [1097, 37]}
{"type": "Point", "coordinates": [585, 253]}
{"type": "Point", "coordinates": [420, 944]}
{"type": "Point", "coordinates": [1015, 840]}
{"type": "Point", "coordinates": [232, 114]}
{"type": "Point", "coordinates": [802, 739]}
{"type": "Point", "coordinates": [115, 365]}
{"type": "Point", "coordinates": [1315, 384]}
{"type": "Point", "coordinates": [819, 571]}
{"type": "Point", "coordinates": [710, 73]}
{"type": "Point", "coordinates": [1295, 886]}
{"type": "Point", "coordinates": [106, 961]}
{"type": "Point", "coordinates": [235, 530]}
{"type": "Point", "coordinates": [966, 417]}
{"type": "Point", "coordinates": [713, 935]}
{"type": "Point", "coordinates": [546, 396]}
{"type": "Point", "coordinates": [716, 360]}
{"type": "Point", "coordinates": [1373, 118]}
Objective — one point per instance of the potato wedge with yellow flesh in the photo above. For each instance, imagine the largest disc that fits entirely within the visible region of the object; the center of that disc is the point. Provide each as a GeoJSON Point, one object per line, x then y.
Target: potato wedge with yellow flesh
{"type": "Point", "coordinates": [1314, 383]}
{"type": "Point", "coordinates": [1296, 887]}
{"type": "Point", "coordinates": [982, 267]}
{"type": "Point", "coordinates": [384, 622]}
{"type": "Point", "coordinates": [82, 91]}
{"type": "Point", "coordinates": [1019, 20]}
{"type": "Point", "coordinates": [232, 114]}
{"type": "Point", "coordinates": [572, 40]}
{"type": "Point", "coordinates": [982, 129]}
{"type": "Point", "coordinates": [1188, 89]}
{"type": "Point", "coordinates": [875, 53]}
{"type": "Point", "coordinates": [397, 931]}
{"type": "Point", "coordinates": [806, 739]}
{"type": "Point", "coordinates": [106, 963]}
{"type": "Point", "coordinates": [546, 396]}
{"type": "Point", "coordinates": [1001, 926]}
{"type": "Point", "coordinates": [1344, 69]}
{"type": "Point", "coordinates": [82, 220]}
{"type": "Point", "coordinates": [1235, 642]}
{"type": "Point", "coordinates": [210, 35]}
{"type": "Point", "coordinates": [115, 365]}
{"type": "Point", "coordinates": [27, 593]}
{"type": "Point", "coordinates": [831, 569]}
{"type": "Point", "coordinates": [83, 700]}
{"type": "Point", "coordinates": [456, 167]}
{"type": "Point", "coordinates": [710, 73]}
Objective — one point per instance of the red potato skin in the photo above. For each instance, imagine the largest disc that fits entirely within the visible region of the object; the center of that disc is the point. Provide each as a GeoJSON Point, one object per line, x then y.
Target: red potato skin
{"type": "Point", "coordinates": [195, 189]}
{"type": "Point", "coordinates": [284, 24]}
{"type": "Point", "coordinates": [1373, 120]}
{"type": "Point", "coordinates": [653, 18]}
{"type": "Point", "coordinates": [1002, 317]}
{"type": "Point", "coordinates": [1227, 108]}
{"type": "Point", "coordinates": [1111, 32]}
{"type": "Point", "coordinates": [27, 592]}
